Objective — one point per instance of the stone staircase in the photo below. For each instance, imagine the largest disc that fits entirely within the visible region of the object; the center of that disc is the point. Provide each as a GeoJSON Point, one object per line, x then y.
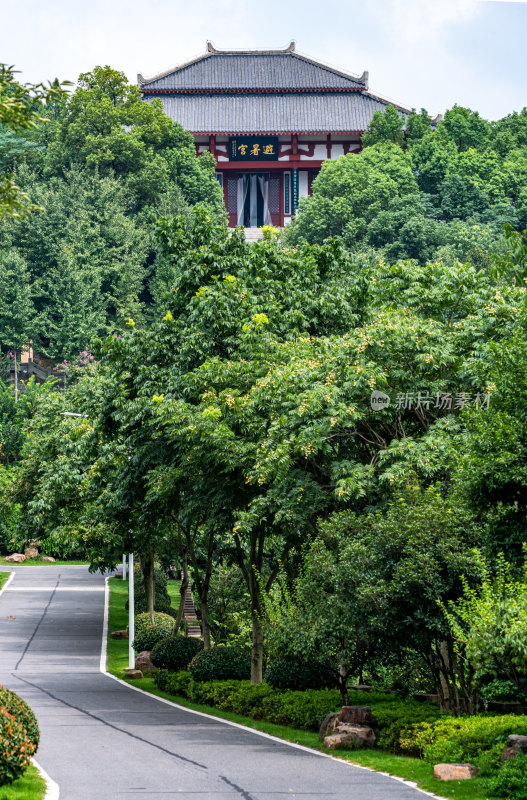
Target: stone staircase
{"type": "Point", "coordinates": [253, 234]}
{"type": "Point", "coordinates": [191, 620]}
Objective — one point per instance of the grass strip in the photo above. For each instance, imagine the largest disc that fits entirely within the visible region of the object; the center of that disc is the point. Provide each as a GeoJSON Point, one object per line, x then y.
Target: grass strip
{"type": "Point", "coordinates": [31, 786]}
{"type": "Point", "coordinates": [4, 577]}
{"type": "Point", "coordinates": [411, 769]}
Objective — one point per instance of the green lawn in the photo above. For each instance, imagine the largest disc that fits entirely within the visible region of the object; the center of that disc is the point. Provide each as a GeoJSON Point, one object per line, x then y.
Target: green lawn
{"type": "Point", "coordinates": [117, 657]}
{"type": "Point", "coordinates": [37, 562]}
{"type": "Point", "coordinates": [3, 578]}
{"type": "Point", "coordinates": [411, 769]}
{"type": "Point", "coordinates": [31, 786]}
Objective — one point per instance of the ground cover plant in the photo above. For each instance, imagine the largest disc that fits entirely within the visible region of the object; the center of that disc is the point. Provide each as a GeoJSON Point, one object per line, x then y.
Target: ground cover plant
{"type": "Point", "coordinates": [31, 786]}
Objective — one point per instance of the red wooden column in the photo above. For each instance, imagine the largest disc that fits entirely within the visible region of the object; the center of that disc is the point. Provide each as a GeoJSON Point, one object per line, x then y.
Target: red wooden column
{"type": "Point", "coordinates": [328, 145]}
{"type": "Point", "coordinates": [212, 145]}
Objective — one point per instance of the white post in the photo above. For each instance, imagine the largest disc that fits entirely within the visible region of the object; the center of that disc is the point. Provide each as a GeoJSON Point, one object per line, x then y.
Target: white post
{"type": "Point", "coordinates": [131, 615]}
{"type": "Point", "coordinates": [124, 566]}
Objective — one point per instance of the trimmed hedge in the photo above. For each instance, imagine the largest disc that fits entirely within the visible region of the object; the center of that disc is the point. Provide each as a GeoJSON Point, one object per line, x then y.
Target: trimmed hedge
{"type": "Point", "coordinates": [304, 710]}
{"type": "Point", "coordinates": [175, 653]}
{"type": "Point", "coordinates": [23, 714]}
{"type": "Point", "coordinates": [221, 664]}
{"type": "Point", "coordinates": [16, 748]}
{"type": "Point", "coordinates": [285, 674]}
{"type": "Point", "coordinates": [478, 739]}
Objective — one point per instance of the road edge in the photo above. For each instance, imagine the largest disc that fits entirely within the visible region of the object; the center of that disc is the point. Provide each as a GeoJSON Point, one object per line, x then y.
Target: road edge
{"type": "Point", "coordinates": [52, 788]}
{"type": "Point", "coordinates": [104, 645]}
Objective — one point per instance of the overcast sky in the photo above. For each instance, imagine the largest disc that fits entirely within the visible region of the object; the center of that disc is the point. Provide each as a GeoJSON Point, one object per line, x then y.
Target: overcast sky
{"type": "Point", "coordinates": [430, 53]}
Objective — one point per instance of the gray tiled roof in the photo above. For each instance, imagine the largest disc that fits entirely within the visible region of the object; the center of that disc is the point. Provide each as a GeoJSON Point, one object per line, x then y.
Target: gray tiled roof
{"type": "Point", "coordinates": [252, 113]}
{"type": "Point", "coordinates": [253, 71]}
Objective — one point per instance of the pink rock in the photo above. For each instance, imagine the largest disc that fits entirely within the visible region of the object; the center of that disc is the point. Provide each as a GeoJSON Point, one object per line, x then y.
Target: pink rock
{"type": "Point", "coordinates": [48, 558]}
{"type": "Point", "coordinates": [119, 634]}
{"type": "Point", "coordinates": [338, 740]}
{"type": "Point", "coordinates": [356, 715]}
{"type": "Point", "coordinates": [31, 552]}
{"type": "Point", "coordinates": [454, 772]}
{"type": "Point", "coordinates": [133, 673]}
{"type": "Point", "coordinates": [143, 662]}
{"type": "Point", "coordinates": [361, 734]}
{"type": "Point", "coordinates": [16, 558]}
{"type": "Point", "coordinates": [327, 727]}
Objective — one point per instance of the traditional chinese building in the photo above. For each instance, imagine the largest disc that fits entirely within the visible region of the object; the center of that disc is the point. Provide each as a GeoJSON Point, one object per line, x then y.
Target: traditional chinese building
{"type": "Point", "coordinates": [270, 118]}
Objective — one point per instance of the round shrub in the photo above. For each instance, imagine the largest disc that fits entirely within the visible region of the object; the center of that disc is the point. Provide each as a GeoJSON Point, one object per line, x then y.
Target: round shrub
{"type": "Point", "coordinates": [283, 673]}
{"type": "Point", "coordinates": [511, 780]}
{"type": "Point", "coordinates": [221, 664]}
{"type": "Point", "coordinates": [143, 621]}
{"type": "Point", "coordinates": [175, 653]}
{"type": "Point", "coordinates": [148, 638]}
{"type": "Point", "coordinates": [16, 748]}
{"type": "Point", "coordinates": [21, 712]}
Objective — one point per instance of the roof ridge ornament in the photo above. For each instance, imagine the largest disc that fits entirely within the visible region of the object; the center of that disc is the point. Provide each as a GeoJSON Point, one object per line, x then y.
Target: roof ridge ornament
{"type": "Point", "coordinates": [364, 79]}
{"type": "Point", "coordinates": [291, 48]}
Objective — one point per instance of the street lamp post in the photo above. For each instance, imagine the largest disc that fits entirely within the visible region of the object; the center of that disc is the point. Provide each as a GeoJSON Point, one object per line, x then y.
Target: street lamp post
{"type": "Point", "coordinates": [131, 614]}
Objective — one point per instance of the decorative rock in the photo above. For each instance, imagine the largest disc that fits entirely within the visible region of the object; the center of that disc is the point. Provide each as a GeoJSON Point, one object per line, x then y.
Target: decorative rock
{"type": "Point", "coordinates": [48, 558]}
{"type": "Point", "coordinates": [133, 673]}
{"type": "Point", "coordinates": [143, 663]}
{"type": "Point", "coordinates": [119, 634]}
{"type": "Point", "coordinates": [339, 740]}
{"type": "Point", "coordinates": [356, 715]}
{"type": "Point", "coordinates": [327, 726]}
{"type": "Point", "coordinates": [361, 734]}
{"type": "Point", "coordinates": [454, 772]}
{"type": "Point", "coordinates": [16, 558]}
{"type": "Point", "coordinates": [31, 552]}
{"type": "Point", "coordinates": [515, 744]}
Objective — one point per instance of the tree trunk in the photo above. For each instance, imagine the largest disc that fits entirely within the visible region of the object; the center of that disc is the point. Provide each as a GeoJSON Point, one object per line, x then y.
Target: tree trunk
{"type": "Point", "coordinates": [182, 593]}
{"type": "Point", "coordinates": [257, 648]}
{"type": "Point", "coordinates": [343, 683]}
{"type": "Point", "coordinates": [147, 569]}
{"type": "Point", "coordinates": [16, 379]}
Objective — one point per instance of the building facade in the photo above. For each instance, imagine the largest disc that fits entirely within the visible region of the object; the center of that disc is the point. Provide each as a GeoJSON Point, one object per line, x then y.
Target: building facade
{"type": "Point", "coordinates": [270, 118]}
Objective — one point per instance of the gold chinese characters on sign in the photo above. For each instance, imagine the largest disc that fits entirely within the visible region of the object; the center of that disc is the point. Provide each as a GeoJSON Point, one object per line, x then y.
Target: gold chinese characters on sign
{"type": "Point", "coordinates": [252, 148]}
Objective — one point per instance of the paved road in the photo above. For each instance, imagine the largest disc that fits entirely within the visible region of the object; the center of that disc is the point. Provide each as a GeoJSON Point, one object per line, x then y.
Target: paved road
{"type": "Point", "coordinates": [102, 740]}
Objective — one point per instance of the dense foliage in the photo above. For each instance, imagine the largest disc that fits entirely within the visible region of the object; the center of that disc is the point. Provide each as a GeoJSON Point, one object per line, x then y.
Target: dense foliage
{"type": "Point", "coordinates": [100, 165]}
{"type": "Point", "coordinates": [428, 192]}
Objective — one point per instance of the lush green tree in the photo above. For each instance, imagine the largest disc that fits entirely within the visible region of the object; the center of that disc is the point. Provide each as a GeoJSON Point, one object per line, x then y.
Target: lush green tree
{"type": "Point", "coordinates": [20, 111]}
{"type": "Point", "coordinates": [489, 624]}
{"type": "Point", "coordinates": [348, 195]}
{"type": "Point", "coordinates": [16, 307]}
{"type": "Point", "coordinates": [106, 126]}
{"type": "Point", "coordinates": [386, 127]}
{"type": "Point", "coordinates": [399, 564]}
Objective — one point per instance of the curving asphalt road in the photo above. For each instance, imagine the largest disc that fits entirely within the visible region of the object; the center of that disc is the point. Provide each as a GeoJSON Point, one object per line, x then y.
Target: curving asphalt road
{"type": "Point", "coordinates": [102, 740]}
